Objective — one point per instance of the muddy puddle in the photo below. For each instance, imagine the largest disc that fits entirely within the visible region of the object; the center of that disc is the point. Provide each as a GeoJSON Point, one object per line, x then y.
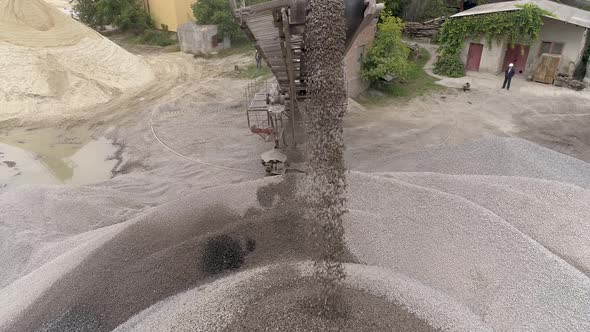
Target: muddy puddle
{"type": "Point", "coordinates": [55, 156]}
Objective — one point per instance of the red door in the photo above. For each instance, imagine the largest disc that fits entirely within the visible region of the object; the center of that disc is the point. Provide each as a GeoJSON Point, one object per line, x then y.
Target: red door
{"type": "Point", "coordinates": [474, 56]}
{"type": "Point", "coordinates": [516, 56]}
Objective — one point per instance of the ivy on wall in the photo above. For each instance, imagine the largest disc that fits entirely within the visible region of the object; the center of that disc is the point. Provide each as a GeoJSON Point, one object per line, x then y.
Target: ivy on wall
{"type": "Point", "coordinates": [513, 27]}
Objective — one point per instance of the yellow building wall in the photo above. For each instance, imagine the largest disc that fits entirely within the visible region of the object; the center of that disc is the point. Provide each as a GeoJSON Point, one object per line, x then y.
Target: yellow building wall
{"type": "Point", "coordinates": [170, 12]}
{"type": "Point", "coordinates": [184, 12]}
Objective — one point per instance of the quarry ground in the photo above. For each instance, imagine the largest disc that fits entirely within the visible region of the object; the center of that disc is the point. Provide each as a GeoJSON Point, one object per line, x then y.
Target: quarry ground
{"type": "Point", "coordinates": [552, 117]}
{"type": "Point", "coordinates": [187, 131]}
{"type": "Point", "coordinates": [194, 107]}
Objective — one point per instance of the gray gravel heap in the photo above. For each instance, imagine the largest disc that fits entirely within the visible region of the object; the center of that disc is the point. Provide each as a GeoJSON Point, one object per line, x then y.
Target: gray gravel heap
{"type": "Point", "coordinates": [489, 156]}
{"type": "Point", "coordinates": [497, 240]}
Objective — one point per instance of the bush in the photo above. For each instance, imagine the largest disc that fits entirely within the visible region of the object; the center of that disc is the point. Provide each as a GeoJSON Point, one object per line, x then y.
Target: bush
{"type": "Point", "coordinates": [124, 14]}
{"type": "Point", "coordinates": [86, 10]}
{"type": "Point", "coordinates": [155, 37]}
{"type": "Point", "coordinates": [132, 17]}
{"type": "Point", "coordinates": [435, 39]}
{"type": "Point", "coordinates": [433, 9]}
{"type": "Point", "coordinates": [388, 54]}
{"type": "Point", "coordinates": [222, 253]}
{"type": "Point", "coordinates": [397, 7]}
{"type": "Point", "coordinates": [217, 12]}
{"type": "Point", "coordinates": [449, 66]}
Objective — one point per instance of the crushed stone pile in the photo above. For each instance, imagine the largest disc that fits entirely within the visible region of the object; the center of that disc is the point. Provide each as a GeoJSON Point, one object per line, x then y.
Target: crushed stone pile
{"type": "Point", "coordinates": [50, 62]}
{"type": "Point", "coordinates": [470, 245]}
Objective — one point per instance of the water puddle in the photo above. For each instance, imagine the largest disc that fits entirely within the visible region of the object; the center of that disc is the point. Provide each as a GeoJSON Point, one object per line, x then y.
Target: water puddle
{"type": "Point", "coordinates": [55, 156]}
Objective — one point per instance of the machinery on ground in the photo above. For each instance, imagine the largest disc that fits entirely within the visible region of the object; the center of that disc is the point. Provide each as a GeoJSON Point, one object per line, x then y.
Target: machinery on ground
{"type": "Point", "coordinates": [276, 28]}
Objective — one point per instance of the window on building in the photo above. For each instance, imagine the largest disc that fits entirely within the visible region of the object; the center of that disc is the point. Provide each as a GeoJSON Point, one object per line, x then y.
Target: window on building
{"type": "Point", "coordinates": [556, 48]}
{"type": "Point", "coordinates": [551, 48]}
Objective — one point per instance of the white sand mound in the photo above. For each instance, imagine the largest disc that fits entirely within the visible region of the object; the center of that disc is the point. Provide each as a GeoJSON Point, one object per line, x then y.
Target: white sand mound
{"type": "Point", "coordinates": [508, 250]}
{"type": "Point", "coordinates": [50, 63]}
{"type": "Point", "coordinates": [34, 23]}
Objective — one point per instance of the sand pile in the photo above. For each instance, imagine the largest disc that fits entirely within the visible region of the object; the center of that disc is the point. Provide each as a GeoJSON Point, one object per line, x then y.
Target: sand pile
{"type": "Point", "coordinates": [50, 62]}
{"type": "Point", "coordinates": [450, 251]}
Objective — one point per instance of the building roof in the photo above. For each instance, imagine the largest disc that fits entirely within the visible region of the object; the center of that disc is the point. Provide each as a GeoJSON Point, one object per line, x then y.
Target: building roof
{"type": "Point", "coordinates": [561, 12]}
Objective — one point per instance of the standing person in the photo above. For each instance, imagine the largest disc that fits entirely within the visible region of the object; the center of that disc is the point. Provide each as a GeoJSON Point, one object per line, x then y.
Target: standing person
{"type": "Point", "coordinates": [508, 76]}
{"type": "Point", "coordinates": [258, 60]}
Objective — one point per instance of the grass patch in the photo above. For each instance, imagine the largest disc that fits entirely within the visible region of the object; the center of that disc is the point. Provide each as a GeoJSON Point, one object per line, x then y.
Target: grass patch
{"type": "Point", "coordinates": [251, 72]}
{"type": "Point", "coordinates": [153, 37]}
{"type": "Point", "coordinates": [156, 37]}
{"type": "Point", "coordinates": [418, 83]}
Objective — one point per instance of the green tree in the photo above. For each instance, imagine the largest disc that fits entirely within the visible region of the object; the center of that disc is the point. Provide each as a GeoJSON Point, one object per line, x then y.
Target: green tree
{"type": "Point", "coordinates": [397, 7]}
{"type": "Point", "coordinates": [124, 14]}
{"type": "Point", "coordinates": [86, 10]}
{"type": "Point", "coordinates": [217, 12]}
{"type": "Point", "coordinates": [388, 54]}
{"type": "Point", "coordinates": [433, 9]}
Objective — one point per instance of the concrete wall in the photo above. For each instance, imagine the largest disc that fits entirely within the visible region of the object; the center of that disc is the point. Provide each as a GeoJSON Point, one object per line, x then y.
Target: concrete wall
{"type": "Point", "coordinates": [572, 37]}
{"type": "Point", "coordinates": [198, 39]}
{"type": "Point", "coordinates": [353, 60]}
{"type": "Point", "coordinates": [491, 58]}
{"type": "Point", "coordinates": [170, 12]}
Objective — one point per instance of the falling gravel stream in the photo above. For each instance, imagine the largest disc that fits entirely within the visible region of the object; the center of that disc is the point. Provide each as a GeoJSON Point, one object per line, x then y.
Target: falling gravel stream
{"type": "Point", "coordinates": [324, 110]}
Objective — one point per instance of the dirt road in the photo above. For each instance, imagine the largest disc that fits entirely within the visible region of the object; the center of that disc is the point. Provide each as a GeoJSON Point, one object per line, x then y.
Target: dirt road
{"type": "Point", "coordinates": [553, 117]}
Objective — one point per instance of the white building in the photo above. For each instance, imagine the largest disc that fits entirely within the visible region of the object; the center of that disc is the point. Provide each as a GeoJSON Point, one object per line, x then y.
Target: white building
{"type": "Point", "coordinates": [562, 36]}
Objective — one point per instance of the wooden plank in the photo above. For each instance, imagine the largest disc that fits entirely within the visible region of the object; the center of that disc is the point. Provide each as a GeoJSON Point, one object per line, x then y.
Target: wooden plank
{"type": "Point", "coordinates": [259, 17]}
{"type": "Point", "coordinates": [271, 42]}
{"type": "Point", "coordinates": [547, 69]}
{"type": "Point", "coordinates": [264, 6]}
{"type": "Point", "coordinates": [266, 38]}
{"type": "Point", "coordinates": [263, 29]}
{"type": "Point", "coordinates": [263, 24]}
{"type": "Point", "coordinates": [260, 20]}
